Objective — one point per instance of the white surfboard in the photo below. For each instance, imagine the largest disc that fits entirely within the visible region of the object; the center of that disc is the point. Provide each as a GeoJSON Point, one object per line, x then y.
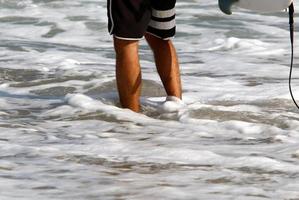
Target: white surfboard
{"type": "Point", "coordinates": [255, 5]}
{"type": "Point", "coordinates": [264, 5]}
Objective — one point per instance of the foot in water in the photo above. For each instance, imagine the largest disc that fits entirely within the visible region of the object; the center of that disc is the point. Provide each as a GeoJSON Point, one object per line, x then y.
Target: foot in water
{"type": "Point", "coordinates": [172, 104]}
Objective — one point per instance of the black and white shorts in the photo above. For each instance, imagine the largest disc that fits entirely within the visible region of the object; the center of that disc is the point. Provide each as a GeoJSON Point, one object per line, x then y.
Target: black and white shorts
{"type": "Point", "coordinates": [131, 19]}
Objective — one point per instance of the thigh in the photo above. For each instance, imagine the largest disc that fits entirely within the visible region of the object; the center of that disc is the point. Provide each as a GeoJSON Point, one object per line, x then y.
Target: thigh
{"type": "Point", "coordinates": [163, 4]}
{"type": "Point", "coordinates": [128, 19]}
{"type": "Point", "coordinates": [162, 22]}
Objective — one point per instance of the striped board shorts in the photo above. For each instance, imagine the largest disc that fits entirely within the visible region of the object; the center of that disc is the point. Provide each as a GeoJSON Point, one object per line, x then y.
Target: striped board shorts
{"type": "Point", "coordinates": [131, 19]}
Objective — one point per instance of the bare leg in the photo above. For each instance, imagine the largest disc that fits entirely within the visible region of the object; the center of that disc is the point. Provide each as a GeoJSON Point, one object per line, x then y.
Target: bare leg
{"type": "Point", "coordinates": [167, 64]}
{"type": "Point", "coordinates": [128, 74]}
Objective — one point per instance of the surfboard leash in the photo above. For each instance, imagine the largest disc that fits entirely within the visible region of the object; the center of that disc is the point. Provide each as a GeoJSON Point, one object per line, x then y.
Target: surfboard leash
{"type": "Point", "coordinates": [291, 22]}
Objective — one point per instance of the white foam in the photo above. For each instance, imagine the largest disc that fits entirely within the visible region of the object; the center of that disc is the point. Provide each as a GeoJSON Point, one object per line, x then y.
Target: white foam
{"type": "Point", "coordinates": [4, 104]}
{"type": "Point", "coordinates": [236, 43]}
{"type": "Point", "coordinates": [172, 104]}
{"type": "Point", "coordinates": [59, 111]}
{"type": "Point", "coordinates": [85, 103]}
{"type": "Point", "coordinates": [235, 65]}
{"type": "Point", "coordinates": [244, 127]}
{"type": "Point", "coordinates": [69, 64]}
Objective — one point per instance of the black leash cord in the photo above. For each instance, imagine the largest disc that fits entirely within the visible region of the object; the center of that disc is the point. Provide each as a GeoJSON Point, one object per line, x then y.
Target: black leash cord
{"type": "Point", "coordinates": [291, 22]}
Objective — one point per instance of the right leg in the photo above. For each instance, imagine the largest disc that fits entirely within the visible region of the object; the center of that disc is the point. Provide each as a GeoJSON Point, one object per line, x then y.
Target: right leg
{"type": "Point", "coordinates": [128, 74]}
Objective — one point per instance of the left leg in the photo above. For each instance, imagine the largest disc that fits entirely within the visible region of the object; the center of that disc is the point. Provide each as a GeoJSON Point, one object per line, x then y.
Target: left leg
{"type": "Point", "coordinates": [161, 28]}
{"type": "Point", "coordinates": [167, 64]}
{"type": "Point", "coordinates": [127, 22]}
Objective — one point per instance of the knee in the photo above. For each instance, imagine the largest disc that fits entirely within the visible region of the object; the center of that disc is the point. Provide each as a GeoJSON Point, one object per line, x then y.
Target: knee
{"type": "Point", "coordinates": [125, 46]}
{"type": "Point", "coordinates": [158, 43]}
{"type": "Point", "coordinates": [164, 43]}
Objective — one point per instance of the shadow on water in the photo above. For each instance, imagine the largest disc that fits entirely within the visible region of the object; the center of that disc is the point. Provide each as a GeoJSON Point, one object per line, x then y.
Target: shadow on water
{"type": "Point", "coordinates": [150, 88]}
{"type": "Point", "coordinates": [267, 114]}
{"type": "Point", "coordinates": [18, 75]}
{"type": "Point", "coordinates": [45, 1]}
{"type": "Point", "coordinates": [251, 117]}
{"type": "Point", "coordinates": [19, 20]}
{"type": "Point", "coordinates": [44, 46]}
{"type": "Point", "coordinates": [127, 166]}
{"type": "Point", "coordinates": [25, 96]}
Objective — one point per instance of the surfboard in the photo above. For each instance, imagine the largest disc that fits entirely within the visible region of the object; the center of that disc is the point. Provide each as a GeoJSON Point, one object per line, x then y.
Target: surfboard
{"type": "Point", "coordinates": [255, 5]}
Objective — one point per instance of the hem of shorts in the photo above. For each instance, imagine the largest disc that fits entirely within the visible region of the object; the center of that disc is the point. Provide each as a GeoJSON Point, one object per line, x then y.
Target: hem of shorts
{"type": "Point", "coordinates": [159, 36]}
{"type": "Point", "coordinates": [124, 38]}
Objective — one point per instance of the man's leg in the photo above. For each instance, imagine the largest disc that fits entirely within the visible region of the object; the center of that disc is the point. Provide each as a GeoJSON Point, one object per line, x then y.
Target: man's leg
{"type": "Point", "coordinates": [167, 64]}
{"type": "Point", "coordinates": [128, 74]}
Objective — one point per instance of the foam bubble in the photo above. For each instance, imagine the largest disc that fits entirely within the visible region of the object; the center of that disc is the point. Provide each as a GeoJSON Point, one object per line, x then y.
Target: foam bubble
{"type": "Point", "coordinates": [172, 104]}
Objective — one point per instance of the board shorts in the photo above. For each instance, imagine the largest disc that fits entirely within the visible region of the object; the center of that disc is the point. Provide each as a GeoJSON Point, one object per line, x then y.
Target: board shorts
{"type": "Point", "coordinates": [131, 19]}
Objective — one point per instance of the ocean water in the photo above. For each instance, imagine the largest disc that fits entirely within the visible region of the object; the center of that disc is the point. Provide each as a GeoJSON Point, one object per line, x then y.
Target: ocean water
{"type": "Point", "coordinates": [63, 135]}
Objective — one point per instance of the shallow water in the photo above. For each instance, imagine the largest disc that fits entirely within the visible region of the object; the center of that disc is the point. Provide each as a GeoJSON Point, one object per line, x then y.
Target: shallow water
{"type": "Point", "coordinates": [63, 136]}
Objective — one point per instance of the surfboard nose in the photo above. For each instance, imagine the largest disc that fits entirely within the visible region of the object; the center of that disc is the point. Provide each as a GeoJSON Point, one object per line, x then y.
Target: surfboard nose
{"type": "Point", "coordinates": [226, 5]}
